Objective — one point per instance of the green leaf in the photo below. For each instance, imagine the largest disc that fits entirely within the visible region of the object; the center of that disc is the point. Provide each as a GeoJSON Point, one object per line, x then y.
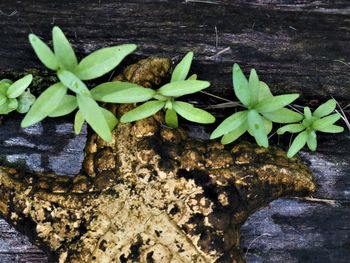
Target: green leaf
{"type": "Point", "coordinates": [18, 87]}
{"type": "Point", "coordinates": [25, 101]}
{"type": "Point", "coordinates": [230, 124]}
{"type": "Point", "coordinates": [66, 106]}
{"type": "Point", "coordinates": [181, 70]}
{"type": "Point", "coordinates": [93, 115]}
{"type": "Point", "coordinates": [112, 121]}
{"type": "Point", "coordinates": [102, 61]}
{"type": "Point", "coordinates": [312, 141]}
{"type": "Point", "coordinates": [145, 110]}
{"type": "Point", "coordinates": [187, 111]}
{"type": "Point", "coordinates": [4, 87]}
{"type": "Point", "coordinates": [325, 109]}
{"type": "Point", "coordinates": [276, 102]}
{"type": "Point", "coordinates": [332, 129]}
{"type": "Point", "coordinates": [240, 85]}
{"type": "Point", "coordinates": [12, 104]}
{"type": "Point", "coordinates": [45, 103]}
{"type": "Point", "coordinates": [121, 92]}
{"type": "Point", "coordinates": [171, 118]}
{"type": "Point", "coordinates": [183, 87]}
{"type": "Point", "coordinates": [254, 86]}
{"type": "Point", "coordinates": [192, 77]}
{"type": "Point", "coordinates": [326, 121]}
{"type": "Point", "coordinates": [307, 113]}
{"type": "Point", "coordinates": [78, 122]}
{"type": "Point", "coordinates": [292, 128]}
{"type": "Point", "coordinates": [4, 108]}
{"type": "Point", "coordinates": [297, 144]}
{"type": "Point", "coordinates": [256, 125]}
{"type": "Point", "coordinates": [264, 91]}
{"type": "Point", "coordinates": [3, 99]}
{"type": "Point", "coordinates": [283, 116]}
{"type": "Point", "coordinates": [72, 82]}
{"type": "Point", "coordinates": [235, 134]}
{"type": "Point", "coordinates": [63, 50]}
{"type": "Point", "coordinates": [267, 125]}
{"type": "Point", "coordinates": [44, 53]}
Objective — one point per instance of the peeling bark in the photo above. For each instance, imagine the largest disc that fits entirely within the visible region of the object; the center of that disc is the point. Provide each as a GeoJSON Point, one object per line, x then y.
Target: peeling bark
{"type": "Point", "coordinates": [151, 195]}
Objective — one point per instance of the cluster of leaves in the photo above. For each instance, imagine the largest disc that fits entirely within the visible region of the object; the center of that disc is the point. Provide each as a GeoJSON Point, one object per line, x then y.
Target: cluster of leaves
{"type": "Point", "coordinates": [15, 96]}
{"type": "Point", "coordinates": [165, 98]}
{"type": "Point", "coordinates": [319, 120]}
{"type": "Point", "coordinates": [55, 101]}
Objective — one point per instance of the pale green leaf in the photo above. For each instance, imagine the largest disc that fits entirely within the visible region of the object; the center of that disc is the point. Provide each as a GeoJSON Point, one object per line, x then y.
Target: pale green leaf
{"type": "Point", "coordinates": [43, 52]}
{"type": "Point", "coordinates": [292, 128]}
{"type": "Point", "coordinates": [171, 118]}
{"type": "Point", "coordinates": [326, 121]}
{"type": "Point", "coordinates": [4, 108]}
{"type": "Point", "coordinates": [25, 101]}
{"type": "Point", "coordinates": [264, 91]}
{"type": "Point", "coordinates": [66, 106]}
{"type": "Point", "coordinates": [240, 85]}
{"type": "Point", "coordinates": [235, 134]}
{"type": "Point", "coordinates": [78, 122]}
{"type": "Point", "coordinates": [312, 141]}
{"type": "Point", "coordinates": [72, 82]}
{"type": "Point", "coordinates": [192, 77]}
{"type": "Point", "coordinates": [332, 129]}
{"type": "Point", "coordinates": [183, 87]}
{"type": "Point", "coordinates": [274, 103]}
{"type": "Point", "coordinates": [254, 86]}
{"type": "Point", "coordinates": [181, 70]}
{"type": "Point", "coordinates": [325, 109]}
{"type": "Point", "coordinates": [256, 125]}
{"type": "Point", "coordinates": [12, 104]}
{"type": "Point", "coordinates": [307, 113]}
{"type": "Point", "coordinates": [19, 86]}
{"type": "Point", "coordinates": [45, 103]}
{"type": "Point", "coordinates": [121, 92]}
{"type": "Point", "coordinates": [298, 143]}
{"type": "Point", "coordinates": [112, 121]}
{"type": "Point", "coordinates": [3, 99]}
{"type": "Point", "coordinates": [93, 115]}
{"type": "Point", "coordinates": [102, 61]}
{"type": "Point", "coordinates": [63, 50]}
{"type": "Point", "coordinates": [187, 111]}
{"type": "Point", "coordinates": [267, 125]}
{"type": "Point", "coordinates": [143, 111]}
{"type": "Point", "coordinates": [283, 115]}
{"type": "Point", "coordinates": [229, 124]}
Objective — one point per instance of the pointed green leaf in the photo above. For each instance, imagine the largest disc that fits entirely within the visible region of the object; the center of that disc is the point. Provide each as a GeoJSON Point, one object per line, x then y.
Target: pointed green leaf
{"type": "Point", "coordinates": [121, 92]}
{"type": "Point", "coordinates": [4, 108]}
{"type": "Point", "coordinates": [45, 103]}
{"type": "Point", "coordinates": [143, 111]}
{"type": "Point", "coordinates": [25, 101]}
{"type": "Point", "coordinates": [171, 118]}
{"type": "Point", "coordinates": [93, 115]}
{"type": "Point", "coordinates": [312, 141]}
{"type": "Point", "coordinates": [307, 113]}
{"type": "Point", "coordinates": [181, 70]}
{"type": "Point", "coordinates": [292, 128]}
{"type": "Point", "coordinates": [66, 106]}
{"type": "Point", "coordinates": [18, 87]}
{"type": "Point", "coordinates": [332, 129]}
{"type": "Point", "coordinates": [254, 86]}
{"type": "Point", "coordinates": [3, 99]}
{"type": "Point", "coordinates": [112, 121]}
{"type": "Point", "coordinates": [326, 121]}
{"type": "Point", "coordinates": [183, 87]}
{"type": "Point", "coordinates": [72, 82]}
{"type": "Point", "coordinates": [192, 77]}
{"type": "Point", "coordinates": [63, 50]}
{"type": "Point", "coordinates": [43, 52]}
{"type": "Point", "coordinates": [235, 134]}
{"type": "Point", "coordinates": [264, 91]}
{"type": "Point", "coordinates": [283, 115]}
{"type": "Point", "coordinates": [187, 111]}
{"type": "Point", "coordinates": [267, 125]}
{"type": "Point", "coordinates": [102, 61]}
{"type": "Point", "coordinates": [325, 109]}
{"type": "Point", "coordinates": [12, 104]}
{"type": "Point", "coordinates": [240, 85]}
{"type": "Point", "coordinates": [256, 125]}
{"type": "Point", "coordinates": [230, 124]}
{"type": "Point", "coordinates": [276, 102]}
{"type": "Point", "coordinates": [78, 122]}
{"type": "Point", "coordinates": [298, 143]}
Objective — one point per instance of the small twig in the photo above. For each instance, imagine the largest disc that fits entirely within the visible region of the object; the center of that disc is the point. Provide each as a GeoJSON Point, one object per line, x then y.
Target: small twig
{"type": "Point", "coordinates": [255, 239]}
{"type": "Point", "coordinates": [220, 52]}
{"type": "Point", "coordinates": [202, 1]}
{"type": "Point", "coordinates": [318, 200]}
{"type": "Point", "coordinates": [215, 96]}
{"type": "Point", "coordinates": [216, 37]}
{"type": "Point", "coordinates": [340, 61]}
{"type": "Point", "coordinates": [342, 114]}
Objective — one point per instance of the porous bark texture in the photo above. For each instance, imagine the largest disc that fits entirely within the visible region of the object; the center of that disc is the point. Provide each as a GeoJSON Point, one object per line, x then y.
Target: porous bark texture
{"type": "Point", "coordinates": [153, 194]}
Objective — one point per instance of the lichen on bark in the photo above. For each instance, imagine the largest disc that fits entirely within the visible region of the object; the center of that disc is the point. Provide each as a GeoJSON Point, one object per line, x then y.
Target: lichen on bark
{"type": "Point", "coordinates": [151, 195]}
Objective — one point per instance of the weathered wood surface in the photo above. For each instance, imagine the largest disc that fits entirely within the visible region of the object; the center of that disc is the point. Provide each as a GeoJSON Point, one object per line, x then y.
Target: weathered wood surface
{"type": "Point", "coordinates": [295, 46]}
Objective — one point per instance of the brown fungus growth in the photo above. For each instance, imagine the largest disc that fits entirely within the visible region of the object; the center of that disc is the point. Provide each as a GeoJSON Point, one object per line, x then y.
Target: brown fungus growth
{"type": "Point", "coordinates": [151, 195]}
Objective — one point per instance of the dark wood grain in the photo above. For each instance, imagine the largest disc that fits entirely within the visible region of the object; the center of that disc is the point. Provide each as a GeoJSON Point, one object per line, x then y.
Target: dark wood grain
{"type": "Point", "coordinates": [295, 46]}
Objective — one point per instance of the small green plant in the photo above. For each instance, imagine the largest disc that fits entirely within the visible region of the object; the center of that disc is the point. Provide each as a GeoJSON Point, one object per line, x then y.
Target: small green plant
{"type": "Point", "coordinates": [311, 123]}
{"type": "Point", "coordinates": [55, 100]}
{"type": "Point", "coordinates": [166, 98]}
{"type": "Point", "coordinates": [262, 108]}
{"type": "Point", "coordinates": [13, 95]}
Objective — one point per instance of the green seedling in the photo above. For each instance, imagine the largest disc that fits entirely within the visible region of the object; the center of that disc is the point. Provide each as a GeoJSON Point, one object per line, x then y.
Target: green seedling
{"type": "Point", "coordinates": [15, 96]}
{"type": "Point", "coordinates": [262, 108]}
{"type": "Point", "coordinates": [166, 98]}
{"type": "Point", "coordinates": [312, 122]}
{"type": "Point", "coordinates": [55, 101]}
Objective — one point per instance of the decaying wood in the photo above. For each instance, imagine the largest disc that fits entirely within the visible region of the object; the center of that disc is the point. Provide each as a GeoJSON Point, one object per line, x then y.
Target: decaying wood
{"type": "Point", "coordinates": [151, 195]}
